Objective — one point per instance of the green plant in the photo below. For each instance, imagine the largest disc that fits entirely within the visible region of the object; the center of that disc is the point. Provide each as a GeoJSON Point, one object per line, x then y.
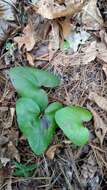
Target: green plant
{"type": "Point", "coordinates": [23, 170]}
{"type": "Point", "coordinates": [38, 120]}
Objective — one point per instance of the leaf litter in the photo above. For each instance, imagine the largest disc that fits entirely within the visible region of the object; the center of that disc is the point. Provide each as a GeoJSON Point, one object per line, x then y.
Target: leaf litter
{"type": "Point", "coordinates": [38, 31]}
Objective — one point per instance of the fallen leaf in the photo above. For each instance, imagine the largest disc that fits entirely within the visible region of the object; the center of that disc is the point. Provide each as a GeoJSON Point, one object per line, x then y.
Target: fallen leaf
{"type": "Point", "coordinates": [100, 126]}
{"type": "Point", "coordinates": [105, 69]}
{"type": "Point", "coordinates": [75, 39]}
{"type": "Point", "coordinates": [87, 55]}
{"type": "Point", "coordinates": [54, 40]}
{"type": "Point", "coordinates": [27, 38]}
{"type": "Point", "coordinates": [30, 59]}
{"type": "Point", "coordinates": [101, 51]}
{"type": "Point", "coordinates": [103, 36]}
{"type": "Point", "coordinates": [91, 16]}
{"type": "Point", "coordinates": [66, 27]}
{"type": "Point", "coordinates": [90, 53]}
{"type": "Point", "coordinates": [7, 9]}
{"type": "Point", "coordinates": [13, 152]}
{"type": "Point", "coordinates": [51, 10]}
{"type": "Point", "coordinates": [4, 27]}
{"type": "Point", "coordinates": [4, 161]}
{"type": "Point", "coordinates": [50, 153]}
{"type": "Point", "coordinates": [99, 100]}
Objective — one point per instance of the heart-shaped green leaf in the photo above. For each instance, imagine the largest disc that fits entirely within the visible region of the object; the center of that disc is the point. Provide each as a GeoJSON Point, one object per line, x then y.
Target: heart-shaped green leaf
{"type": "Point", "coordinates": [50, 113]}
{"type": "Point", "coordinates": [26, 77]}
{"type": "Point", "coordinates": [38, 95]}
{"type": "Point", "coordinates": [70, 119]}
{"type": "Point", "coordinates": [27, 81]}
{"type": "Point", "coordinates": [27, 111]}
{"type": "Point", "coordinates": [38, 130]}
{"type": "Point", "coordinates": [46, 129]}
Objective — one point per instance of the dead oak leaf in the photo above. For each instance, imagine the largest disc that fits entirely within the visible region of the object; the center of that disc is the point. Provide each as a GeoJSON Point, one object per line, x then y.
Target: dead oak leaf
{"type": "Point", "coordinates": [100, 125]}
{"type": "Point", "coordinates": [91, 17]}
{"type": "Point", "coordinates": [51, 10]}
{"type": "Point", "coordinates": [50, 153]}
{"type": "Point", "coordinates": [27, 38]}
{"type": "Point", "coordinates": [99, 100]}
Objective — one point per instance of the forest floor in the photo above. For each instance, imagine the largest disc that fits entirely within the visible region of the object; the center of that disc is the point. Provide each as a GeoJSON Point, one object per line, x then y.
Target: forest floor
{"type": "Point", "coordinates": [68, 37]}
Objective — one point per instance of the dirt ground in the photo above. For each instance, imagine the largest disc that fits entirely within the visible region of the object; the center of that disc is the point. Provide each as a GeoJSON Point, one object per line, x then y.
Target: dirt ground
{"type": "Point", "coordinates": [83, 74]}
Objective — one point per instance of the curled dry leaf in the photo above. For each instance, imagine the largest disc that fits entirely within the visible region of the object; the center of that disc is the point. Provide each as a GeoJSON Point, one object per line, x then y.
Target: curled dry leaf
{"type": "Point", "coordinates": [50, 153]}
{"type": "Point", "coordinates": [91, 17]}
{"type": "Point", "coordinates": [105, 69]}
{"type": "Point", "coordinates": [30, 59]}
{"type": "Point", "coordinates": [51, 10]}
{"type": "Point", "coordinates": [99, 100]}
{"type": "Point", "coordinates": [100, 126]}
{"type": "Point", "coordinates": [27, 38]}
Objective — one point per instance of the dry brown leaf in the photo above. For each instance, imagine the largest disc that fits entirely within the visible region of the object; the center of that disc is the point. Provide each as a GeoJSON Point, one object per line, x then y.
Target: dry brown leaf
{"type": "Point", "coordinates": [99, 100]}
{"type": "Point", "coordinates": [100, 126]}
{"type": "Point", "coordinates": [30, 59]}
{"type": "Point", "coordinates": [54, 40]}
{"type": "Point", "coordinates": [102, 51]}
{"type": "Point", "coordinates": [13, 152]}
{"type": "Point", "coordinates": [51, 10]}
{"type": "Point", "coordinates": [105, 69]}
{"type": "Point", "coordinates": [90, 53]}
{"type": "Point", "coordinates": [27, 38]}
{"type": "Point", "coordinates": [91, 17]}
{"type": "Point", "coordinates": [66, 27]}
{"type": "Point", "coordinates": [103, 35]}
{"type": "Point", "coordinates": [50, 153]}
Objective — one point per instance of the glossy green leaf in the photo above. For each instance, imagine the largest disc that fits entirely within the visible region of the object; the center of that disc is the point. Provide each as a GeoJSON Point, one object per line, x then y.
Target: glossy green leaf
{"type": "Point", "coordinates": [27, 82]}
{"type": "Point", "coordinates": [45, 130]}
{"type": "Point", "coordinates": [38, 130]}
{"type": "Point", "coordinates": [53, 107]}
{"type": "Point", "coordinates": [27, 111]}
{"type": "Point", "coordinates": [70, 119]}
{"type": "Point", "coordinates": [26, 77]}
{"type": "Point", "coordinates": [38, 95]}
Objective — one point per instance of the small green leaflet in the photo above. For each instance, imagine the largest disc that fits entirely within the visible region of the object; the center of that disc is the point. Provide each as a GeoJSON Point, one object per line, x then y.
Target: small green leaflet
{"type": "Point", "coordinates": [39, 130]}
{"type": "Point", "coordinates": [66, 45]}
{"type": "Point", "coordinates": [23, 170]}
{"type": "Point", "coordinates": [70, 119]}
{"type": "Point", "coordinates": [27, 82]}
